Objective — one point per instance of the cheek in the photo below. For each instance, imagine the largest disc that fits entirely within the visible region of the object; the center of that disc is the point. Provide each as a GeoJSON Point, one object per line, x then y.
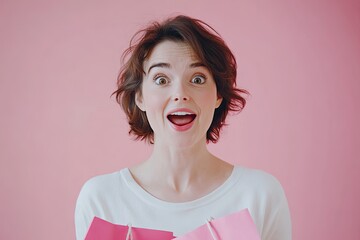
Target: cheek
{"type": "Point", "coordinates": [154, 108]}
{"type": "Point", "coordinates": [208, 102]}
{"type": "Point", "coordinates": [151, 97]}
{"type": "Point", "coordinates": [154, 103]}
{"type": "Point", "coordinates": [208, 98]}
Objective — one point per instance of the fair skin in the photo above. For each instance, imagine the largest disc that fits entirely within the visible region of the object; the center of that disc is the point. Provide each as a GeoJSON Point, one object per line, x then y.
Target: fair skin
{"type": "Point", "coordinates": [179, 97]}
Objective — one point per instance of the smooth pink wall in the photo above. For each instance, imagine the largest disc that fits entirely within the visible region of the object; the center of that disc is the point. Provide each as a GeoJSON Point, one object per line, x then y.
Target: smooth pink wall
{"type": "Point", "coordinates": [59, 126]}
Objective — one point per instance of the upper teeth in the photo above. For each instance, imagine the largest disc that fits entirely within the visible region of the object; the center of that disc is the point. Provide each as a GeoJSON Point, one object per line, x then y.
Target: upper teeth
{"type": "Point", "coordinates": [181, 113]}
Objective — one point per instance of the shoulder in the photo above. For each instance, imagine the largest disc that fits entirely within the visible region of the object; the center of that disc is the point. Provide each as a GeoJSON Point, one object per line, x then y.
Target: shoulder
{"type": "Point", "coordinates": [101, 190]}
{"type": "Point", "coordinates": [271, 212]}
{"type": "Point", "coordinates": [98, 194]}
{"type": "Point", "coordinates": [261, 188]}
{"type": "Point", "coordinates": [259, 180]}
{"type": "Point", "coordinates": [101, 183]}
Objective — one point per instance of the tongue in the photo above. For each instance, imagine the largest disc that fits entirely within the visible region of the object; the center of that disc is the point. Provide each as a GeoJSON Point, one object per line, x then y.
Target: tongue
{"type": "Point", "coordinates": [181, 120]}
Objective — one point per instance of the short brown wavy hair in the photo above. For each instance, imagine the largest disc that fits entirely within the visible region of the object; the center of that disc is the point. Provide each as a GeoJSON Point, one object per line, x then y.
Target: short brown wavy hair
{"type": "Point", "coordinates": [210, 49]}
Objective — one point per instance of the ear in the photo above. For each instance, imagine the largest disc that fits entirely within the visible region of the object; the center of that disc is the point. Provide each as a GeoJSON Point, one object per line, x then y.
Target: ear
{"type": "Point", "coordinates": [139, 101]}
{"type": "Point", "coordinates": [218, 101]}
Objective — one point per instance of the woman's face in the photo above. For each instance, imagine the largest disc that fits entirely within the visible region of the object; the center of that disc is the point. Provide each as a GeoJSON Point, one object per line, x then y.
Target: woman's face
{"type": "Point", "coordinates": [178, 95]}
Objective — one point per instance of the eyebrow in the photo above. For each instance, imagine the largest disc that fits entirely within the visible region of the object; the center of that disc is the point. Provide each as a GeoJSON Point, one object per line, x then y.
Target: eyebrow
{"type": "Point", "coordinates": [167, 65]}
{"type": "Point", "coordinates": [197, 64]}
{"type": "Point", "coordinates": [163, 65]}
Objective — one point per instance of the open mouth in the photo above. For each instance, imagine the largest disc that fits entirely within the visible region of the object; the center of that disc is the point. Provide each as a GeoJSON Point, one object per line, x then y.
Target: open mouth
{"type": "Point", "coordinates": [181, 118]}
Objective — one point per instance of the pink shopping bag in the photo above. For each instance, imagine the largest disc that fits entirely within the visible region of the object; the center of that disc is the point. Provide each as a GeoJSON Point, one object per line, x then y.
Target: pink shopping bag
{"type": "Point", "coordinates": [104, 230]}
{"type": "Point", "coordinates": [239, 226]}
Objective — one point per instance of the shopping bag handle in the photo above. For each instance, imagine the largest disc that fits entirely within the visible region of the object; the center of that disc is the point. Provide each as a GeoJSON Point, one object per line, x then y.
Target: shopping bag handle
{"type": "Point", "coordinates": [129, 233]}
{"type": "Point", "coordinates": [211, 230]}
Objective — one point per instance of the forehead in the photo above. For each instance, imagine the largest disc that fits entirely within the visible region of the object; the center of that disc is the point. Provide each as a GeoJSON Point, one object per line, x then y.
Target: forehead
{"type": "Point", "coordinates": [171, 52]}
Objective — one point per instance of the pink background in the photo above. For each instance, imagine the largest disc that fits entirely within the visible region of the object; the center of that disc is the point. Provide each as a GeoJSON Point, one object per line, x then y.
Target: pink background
{"type": "Point", "coordinates": [59, 126]}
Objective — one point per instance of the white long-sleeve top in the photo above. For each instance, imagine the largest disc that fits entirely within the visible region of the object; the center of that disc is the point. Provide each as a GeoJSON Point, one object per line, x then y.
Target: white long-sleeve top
{"type": "Point", "coordinates": [118, 198]}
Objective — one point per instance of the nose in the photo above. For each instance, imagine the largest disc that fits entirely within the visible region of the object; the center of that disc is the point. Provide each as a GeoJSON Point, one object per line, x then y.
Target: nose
{"type": "Point", "coordinates": [180, 93]}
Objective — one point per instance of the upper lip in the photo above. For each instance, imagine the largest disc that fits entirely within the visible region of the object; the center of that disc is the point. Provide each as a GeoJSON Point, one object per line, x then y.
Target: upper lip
{"type": "Point", "coordinates": [181, 111]}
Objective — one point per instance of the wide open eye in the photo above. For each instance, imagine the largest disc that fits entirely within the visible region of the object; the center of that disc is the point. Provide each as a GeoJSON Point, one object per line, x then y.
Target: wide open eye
{"type": "Point", "coordinates": [198, 79]}
{"type": "Point", "coordinates": [160, 80]}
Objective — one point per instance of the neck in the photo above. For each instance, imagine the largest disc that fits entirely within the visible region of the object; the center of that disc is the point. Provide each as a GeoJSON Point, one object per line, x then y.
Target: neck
{"type": "Point", "coordinates": [180, 167]}
{"type": "Point", "coordinates": [179, 174]}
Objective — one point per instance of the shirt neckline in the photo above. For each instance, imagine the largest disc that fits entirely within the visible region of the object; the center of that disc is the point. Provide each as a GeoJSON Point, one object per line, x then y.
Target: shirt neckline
{"type": "Point", "coordinates": [152, 200]}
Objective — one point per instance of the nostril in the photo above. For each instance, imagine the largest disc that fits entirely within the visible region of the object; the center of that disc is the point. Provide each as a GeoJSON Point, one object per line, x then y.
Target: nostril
{"type": "Point", "coordinates": [181, 98]}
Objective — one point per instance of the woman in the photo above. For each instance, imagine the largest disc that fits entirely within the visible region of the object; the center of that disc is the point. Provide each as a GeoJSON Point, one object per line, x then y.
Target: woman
{"type": "Point", "coordinates": [177, 87]}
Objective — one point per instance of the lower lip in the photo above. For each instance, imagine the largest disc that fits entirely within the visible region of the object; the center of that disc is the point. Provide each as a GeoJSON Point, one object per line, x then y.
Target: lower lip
{"type": "Point", "coordinates": [183, 127]}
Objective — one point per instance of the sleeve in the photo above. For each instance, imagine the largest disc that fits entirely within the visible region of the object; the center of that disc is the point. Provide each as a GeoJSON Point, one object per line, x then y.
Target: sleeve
{"type": "Point", "coordinates": [277, 225]}
{"type": "Point", "coordinates": [84, 211]}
